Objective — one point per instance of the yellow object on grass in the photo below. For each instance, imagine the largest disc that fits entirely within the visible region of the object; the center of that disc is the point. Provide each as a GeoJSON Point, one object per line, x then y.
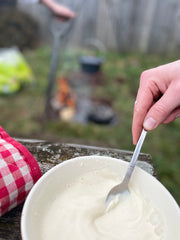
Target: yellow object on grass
{"type": "Point", "coordinates": [14, 71]}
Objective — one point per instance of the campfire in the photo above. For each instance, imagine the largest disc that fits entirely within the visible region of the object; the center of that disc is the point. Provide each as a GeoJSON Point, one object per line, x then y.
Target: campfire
{"type": "Point", "coordinates": [64, 102]}
{"type": "Point", "coordinates": [74, 99]}
{"type": "Point", "coordinates": [65, 95]}
{"type": "Point", "coordinates": [79, 108]}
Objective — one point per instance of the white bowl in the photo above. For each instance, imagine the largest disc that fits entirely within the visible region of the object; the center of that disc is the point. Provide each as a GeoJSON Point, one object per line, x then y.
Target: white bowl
{"type": "Point", "coordinates": [51, 184]}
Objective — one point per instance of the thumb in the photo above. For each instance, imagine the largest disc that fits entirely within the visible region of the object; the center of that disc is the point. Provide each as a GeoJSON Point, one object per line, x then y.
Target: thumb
{"type": "Point", "coordinates": [161, 110]}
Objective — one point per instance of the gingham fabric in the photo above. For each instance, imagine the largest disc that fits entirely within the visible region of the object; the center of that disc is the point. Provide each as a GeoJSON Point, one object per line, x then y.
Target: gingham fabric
{"type": "Point", "coordinates": [18, 172]}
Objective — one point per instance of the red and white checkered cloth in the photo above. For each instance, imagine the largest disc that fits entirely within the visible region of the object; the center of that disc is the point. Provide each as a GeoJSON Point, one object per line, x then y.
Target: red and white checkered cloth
{"type": "Point", "coordinates": [18, 172]}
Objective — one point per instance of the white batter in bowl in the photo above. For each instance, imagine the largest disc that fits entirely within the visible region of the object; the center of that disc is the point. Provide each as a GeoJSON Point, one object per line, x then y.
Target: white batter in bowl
{"type": "Point", "coordinates": [69, 203]}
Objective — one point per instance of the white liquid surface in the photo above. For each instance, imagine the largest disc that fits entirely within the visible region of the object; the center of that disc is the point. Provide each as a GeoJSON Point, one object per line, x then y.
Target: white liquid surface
{"type": "Point", "coordinates": [78, 213]}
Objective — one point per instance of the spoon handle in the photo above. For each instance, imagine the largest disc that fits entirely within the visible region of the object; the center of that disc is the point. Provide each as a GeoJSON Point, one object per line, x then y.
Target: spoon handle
{"type": "Point", "coordinates": [135, 155]}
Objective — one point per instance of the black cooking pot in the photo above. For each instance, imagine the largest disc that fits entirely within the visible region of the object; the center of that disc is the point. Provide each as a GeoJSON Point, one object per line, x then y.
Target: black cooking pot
{"type": "Point", "coordinates": [101, 112]}
{"type": "Point", "coordinates": [90, 64]}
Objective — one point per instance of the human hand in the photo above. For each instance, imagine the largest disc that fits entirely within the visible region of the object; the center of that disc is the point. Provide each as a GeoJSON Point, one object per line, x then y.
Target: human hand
{"type": "Point", "coordinates": [61, 12]}
{"type": "Point", "coordinates": [158, 98]}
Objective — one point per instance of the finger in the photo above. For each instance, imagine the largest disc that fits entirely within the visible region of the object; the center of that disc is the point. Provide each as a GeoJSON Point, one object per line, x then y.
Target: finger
{"type": "Point", "coordinates": [140, 111]}
{"type": "Point", "coordinates": [137, 124]}
{"type": "Point", "coordinates": [162, 109]}
{"type": "Point", "coordinates": [175, 114]}
{"type": "Point", "coordinates": [145, 99]}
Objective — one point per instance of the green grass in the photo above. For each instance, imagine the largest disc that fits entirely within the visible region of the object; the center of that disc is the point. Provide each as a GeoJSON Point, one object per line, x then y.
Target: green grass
{"type": "Point", "coordinates": [21, 113]}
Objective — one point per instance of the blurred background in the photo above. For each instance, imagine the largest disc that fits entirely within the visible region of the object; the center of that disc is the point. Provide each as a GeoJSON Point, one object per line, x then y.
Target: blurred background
{"type": "Point", "coordinates": [77, 81]}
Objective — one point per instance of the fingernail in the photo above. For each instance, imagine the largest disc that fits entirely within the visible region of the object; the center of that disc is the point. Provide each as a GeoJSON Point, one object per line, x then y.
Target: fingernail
{"type": "Point", "coordinates": [150, 123]}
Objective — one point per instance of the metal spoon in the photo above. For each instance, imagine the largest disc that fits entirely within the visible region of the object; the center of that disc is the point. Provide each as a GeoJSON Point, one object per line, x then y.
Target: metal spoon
{"type": "Point", "coordinates": [123, 186]}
